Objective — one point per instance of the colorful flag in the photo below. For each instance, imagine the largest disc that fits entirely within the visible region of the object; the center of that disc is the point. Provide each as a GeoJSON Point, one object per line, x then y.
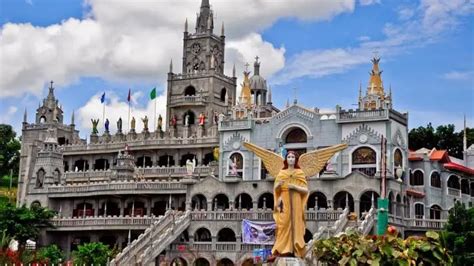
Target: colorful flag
{"type": "Point", "coordinates": [129, 95]}
{"type": "Point", "coordinates": [102, 98]}
{"type": "Point", "coordinates": [153, 94]}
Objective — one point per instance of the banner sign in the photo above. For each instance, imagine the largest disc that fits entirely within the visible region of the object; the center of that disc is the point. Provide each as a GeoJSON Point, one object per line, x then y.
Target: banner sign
{"type": "Point", "coordinates": [262, 233]}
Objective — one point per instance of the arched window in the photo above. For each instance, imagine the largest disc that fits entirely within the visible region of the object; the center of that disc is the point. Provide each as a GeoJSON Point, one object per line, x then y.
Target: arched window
{"type": "Point", "coordinates": [165, 160]}
{"type": "Point", "coordinates": [243, 201]}
{"type": "Point", "coordinates": [368, 199]}
{"type": "Point", "coordinates": [464, 186]}
{"type": "Point", "coordinates": [142, 161]}
{"type": "Point", "coordinates": [419, 210]}
{"type": "Point", "coordinates": [317, 199]}
{"type": "Point", "coordinates": [220, 202]}
{"type": "Point", "coordinates": [40, 178]}
{"type": "Point", "coordinates": [341, 199]}
{"type": "Point", "coordinates": [397, 158]}
{"type": "Point", "coordinates": [435, 212]}
{"type": "Point", "coordinates": [417, 179]}
{"type": "Point", "coordinates": [364, 160]}
{"type": "Point", "coordinates": [226, 235]}
{"type": "Point", "coordinates": [223, 95]}
{"type": "Point", "coordinates": [199, 202]}
{"type": "Point", "coordinates": [178, 261]}
{"type": "Point", "coordinates": [187, 157]}
{"type": "Point", "coordinates": [201, 262]}
{"type": "Point", "coordinates": [202, 235]}
{"type": "Point", "coordinates": [191, 117]}
{"type": "Point", "coordinates": [81, 165]}
{"type": "Point", "coordinates": [102, 164]}
{"type": "Point", "coordinates": [56, 176]}
{"type": "Point", "coordinates": [265, 201]}
{"type": "Point", "coordinates": [390, 202]}
{"type": "Point", "coordinates": [236, 164]}
{"type": "Point", "coordinates": [35, 204]}
{"type": "Point", "coordinates": [109, 208]}
{"type": "Point", "coordinates": [42, 120]}
{"type": "Point", "coordinates": [225, 262]}
{"type": "Point", "coordinates": [406, 203]}
{"type": "Point", "coordinates": [453, 182]}
{"type": "Point", "coordinates": [435, 179]}
{"type": "Point", "coordinates": [190, 91]}
{"type": "Point", "coordinates": [296, 135]}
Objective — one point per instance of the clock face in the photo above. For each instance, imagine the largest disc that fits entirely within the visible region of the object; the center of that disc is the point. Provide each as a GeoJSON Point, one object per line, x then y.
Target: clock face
{"type": "Point", "coordinates": [196, 48]}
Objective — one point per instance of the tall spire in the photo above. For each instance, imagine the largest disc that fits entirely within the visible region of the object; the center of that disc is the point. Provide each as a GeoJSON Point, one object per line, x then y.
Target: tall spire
{"type": "Point", "coordinates": [186, 26]}
{"type": "Point", "coordinates": [25, 117]}
{"type": "Point", "coordinates": [171, 66]}
{"type": "Point", "coordinates": [205, 21]}
{"type": "Point", "coordinates": [269, 96]}
{"type": "Point", "coordinates": [256, 66]}
{"type": "Point", "coordinates": [72, 118]}
{"type": "Point", "coordinates": [233, 71]}
{"type": "Point", "coordinates": [222, 29]}
{"type": "Point", "coordinates": [375, 85]}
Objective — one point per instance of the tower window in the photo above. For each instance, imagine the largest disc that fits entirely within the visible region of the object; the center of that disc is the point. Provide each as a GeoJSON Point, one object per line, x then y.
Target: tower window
{"type": "Point", "coordinates": [223, 94]}
{"type": "Point", "coordinates": [190, 91]}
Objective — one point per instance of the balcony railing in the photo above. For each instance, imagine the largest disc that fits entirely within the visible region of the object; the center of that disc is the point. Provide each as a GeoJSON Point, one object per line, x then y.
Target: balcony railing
{"type": "Point", "coordinates": [219, 246]}
{"type": "Point", "coordinates": [235, 124]}
{"type": "Point", "coordinates": [194, 100]}
{"type": "Point", "coordinates": [260, 215]}
{"type": "Point", "coordinates": [112, 221]}
{"type": "Point", "coordinates": [114, 187]}
{"type": "Point", "coordinates": [359, 115]}
{"type": "Point", "coordinates": [454, 192]}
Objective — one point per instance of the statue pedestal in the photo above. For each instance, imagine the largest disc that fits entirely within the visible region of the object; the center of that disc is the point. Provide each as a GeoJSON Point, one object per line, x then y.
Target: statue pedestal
{"type": "Point", "coordinates": [286, 261]}
{"type": "Point", "coordinates": [186, 130]}
{"type": "Point", "coordinates": [200, 131]}
{"type": "Point", "coordinates": [94, 138]}
{"type": "Point", "coordinates": [146, 133]}
{"type": "Point", "coordinates": [106, 137]}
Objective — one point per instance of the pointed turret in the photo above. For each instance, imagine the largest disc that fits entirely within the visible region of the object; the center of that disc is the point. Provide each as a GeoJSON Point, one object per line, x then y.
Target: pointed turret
{"type": "Point", "coordinates": [205, 21]}
{"type": "Point", "coordinates": [72, 118]}
{"type": "Point", "coordinates": [375, 86]}
{"type": "Point", "coordinates": [222, 30]}
{"type": "Point", "coordinates": [25, 117]}
{"type": "Point", "coordinates": [269, 100]}
{"type": "Point", "coordinates": [375, 97]}
{"type": "Point", "coordinates": [186, 27]}
{"type": "Point", "coordinates": [171, 66]}
{"type": "Point", "coordinates": [233, 71]}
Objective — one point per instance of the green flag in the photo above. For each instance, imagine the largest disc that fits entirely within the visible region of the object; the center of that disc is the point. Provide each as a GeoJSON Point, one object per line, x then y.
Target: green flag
{"type": "Point", "coordinates": [153, 94]}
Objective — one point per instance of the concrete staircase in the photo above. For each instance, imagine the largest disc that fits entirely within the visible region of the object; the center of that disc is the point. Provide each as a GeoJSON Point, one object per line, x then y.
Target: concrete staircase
{"type": "Point", "coordinates": [144, 249]}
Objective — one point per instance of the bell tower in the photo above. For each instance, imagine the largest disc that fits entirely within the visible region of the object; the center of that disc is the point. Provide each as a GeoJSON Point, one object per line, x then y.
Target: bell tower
{"type": "Point", "coordinates": [202, 88]}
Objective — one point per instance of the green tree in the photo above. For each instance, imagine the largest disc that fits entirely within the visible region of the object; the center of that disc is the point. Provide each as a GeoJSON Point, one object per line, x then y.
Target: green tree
{"type": "Point", "coordinates": [444, 137]}
{"type": "Point", "coordinates": [51, 254]}
{"type": "Point", "coordinates": [458, 236]}
{"type": "Point", "coordinates": [24, 223]}
{"type": "Point", "coordinates": [9, 150]}
{"type": "Point", "coordinates": [95, 253]}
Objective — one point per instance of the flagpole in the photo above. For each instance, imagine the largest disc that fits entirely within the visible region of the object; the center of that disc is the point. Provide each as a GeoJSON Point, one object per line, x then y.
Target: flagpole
{"type": "Point", "coordinates": [154, 117]}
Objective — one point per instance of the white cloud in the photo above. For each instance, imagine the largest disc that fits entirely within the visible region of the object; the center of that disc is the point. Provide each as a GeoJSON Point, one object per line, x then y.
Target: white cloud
{"type": "Point", "coordinates": [12, 110]}
{"type": "Point", "coordinates": [7, 118]}
{"type": "Point", "coordinates": [134, 40]}
{"type": "Point", "coordinates": [116, 108]}
{"type": "Point", "coordinates": [29, 2]}
{"type": "Point", "coordinates": [368, 2]}
{"type": "Point", "coordinates": [363, 38]}
{"type": "Point", "coordinates": [458, 75]}
{"type": "Point", "coordinates": [430, 21]}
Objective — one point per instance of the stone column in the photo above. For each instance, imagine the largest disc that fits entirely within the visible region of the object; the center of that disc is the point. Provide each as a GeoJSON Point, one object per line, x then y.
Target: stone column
{"type": "Point", "coordinates": [254, 204]}
{"type": "Point", "coordinates": [96, 212]}
{"type": "Point", "coordinates": [357, 207]}
{"type": "Point", "coordinates": [148, 209]}
{"type": "Point", "coordinates": [209, 205]}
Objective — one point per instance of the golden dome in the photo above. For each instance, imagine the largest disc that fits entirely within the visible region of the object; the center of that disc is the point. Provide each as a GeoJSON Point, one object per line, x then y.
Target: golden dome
{"type": "Point", "coordinates": [375, 82]}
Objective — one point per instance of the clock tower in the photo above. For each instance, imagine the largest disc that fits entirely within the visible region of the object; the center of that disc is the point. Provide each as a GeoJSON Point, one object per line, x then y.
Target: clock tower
{"type": "Point", "coordinates": [202, 87]}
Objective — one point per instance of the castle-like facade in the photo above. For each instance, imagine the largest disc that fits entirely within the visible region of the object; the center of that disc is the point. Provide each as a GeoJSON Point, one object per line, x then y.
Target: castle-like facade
{"type": "Point", "coordinates": [140, 192]}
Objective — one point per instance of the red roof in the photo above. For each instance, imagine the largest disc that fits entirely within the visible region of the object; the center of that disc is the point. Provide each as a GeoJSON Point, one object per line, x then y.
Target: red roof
{"type": "Point", "coordinates": [415, 193]}
{"type": "Point", "coordinates": [415, 158]}
{"type": "Point", "coordinates": [439, 155]}
{"type": "Point", "coordinates": [458, 167]}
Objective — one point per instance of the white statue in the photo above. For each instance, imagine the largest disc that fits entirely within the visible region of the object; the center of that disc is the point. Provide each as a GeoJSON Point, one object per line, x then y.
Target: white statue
{"type": "Point", "coordinates": [13, 245]}
{"type": "Point", "coordinates": [186, 120]}
{"type": "Point", "coordinates": [190, 166]}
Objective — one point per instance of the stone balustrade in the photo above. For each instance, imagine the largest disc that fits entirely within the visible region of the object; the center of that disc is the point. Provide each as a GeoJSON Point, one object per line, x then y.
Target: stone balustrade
{"type": "Point", "coordinates": [111, 222]}
{"type": "Point", "coordinates": [140, 143]}
{"type": "Point", "coordinates": [454, 192]}
{"type": "Point", "coordinates": [260, 215]}
{"type": "Point", "coordinates": [112, 188]}
{"type": "Point", "coordinates": [219, 246]}
{"type": "Point", "coordinates": [361, 115]}
{"type": "Point", "coordinates": [426, 223]}
{"type": "Point", "coordinates": [235, 124]}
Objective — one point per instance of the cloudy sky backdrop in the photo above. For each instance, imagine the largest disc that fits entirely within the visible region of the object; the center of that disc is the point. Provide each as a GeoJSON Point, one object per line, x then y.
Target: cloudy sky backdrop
{"type": "Point", "coordinates": [322, 48]}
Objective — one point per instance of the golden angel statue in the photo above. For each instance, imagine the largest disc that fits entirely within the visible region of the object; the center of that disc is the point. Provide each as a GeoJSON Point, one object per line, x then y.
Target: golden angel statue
{"type": "Point", "coordinates": [290, 192]}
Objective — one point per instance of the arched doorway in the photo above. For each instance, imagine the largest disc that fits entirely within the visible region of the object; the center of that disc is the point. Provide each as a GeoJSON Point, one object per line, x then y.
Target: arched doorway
{"type": "Point", "coordinates": [201, 262]}
{"type": "Point", "coordinates": [225, 262]}
{"type": "Point", "coordinates": [109, 208]}
{"type": "Point", "coordinates": [186, 157]}
{"type": "Point", "coordinates": [435, 212]}
{"type": "Point", "coordinates": [220, 202]}
{"type": "Point", "coordinates": [243, 201]}
{"type": "Point", "coordinates": [165, 160]}
{"type": "Point", "coordinates": [190, 91]}
{"type": "Point", "coordinates": [366, 200]}
{"type": "Point", "coordinates": [202, 235]}
{"type": "Point", "coordinates": [340, 200]}
{"type": "Point", "coordinates": [307, 236]}
{"type": "Point", "coordinates": [317, 199]}
{"type": "Point", "coordinates": [265, 201]}
{"type": "Point", "coordinates": [198, 202]}
{"type": "Point", "coordinates": [191, 117]}
{"type": "Point", "coordinates": [296, 135]}
{"type": "Point", "coordinates": [226, 235]}
{"type": "Point", "coordinates": [178, 261]}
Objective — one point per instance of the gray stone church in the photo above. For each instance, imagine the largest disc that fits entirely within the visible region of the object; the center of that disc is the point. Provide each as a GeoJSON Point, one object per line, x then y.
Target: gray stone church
{"type": "Point", "coordinates": [177, 196]}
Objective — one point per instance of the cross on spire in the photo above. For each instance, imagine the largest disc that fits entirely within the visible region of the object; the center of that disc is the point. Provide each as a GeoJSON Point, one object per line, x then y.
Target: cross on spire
{"type": "Point", "coordinates": [51, 84]}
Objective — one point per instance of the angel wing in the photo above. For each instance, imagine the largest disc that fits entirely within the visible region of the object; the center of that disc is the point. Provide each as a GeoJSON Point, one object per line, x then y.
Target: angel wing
{"type": "Point", "coordinates": [312, 162]}
{"type": "Point", "coordinates": [272, 161]}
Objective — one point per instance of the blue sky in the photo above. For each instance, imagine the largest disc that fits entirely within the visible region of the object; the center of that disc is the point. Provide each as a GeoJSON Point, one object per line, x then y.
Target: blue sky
{"type": "Point", "coordinates": [426, 49]}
